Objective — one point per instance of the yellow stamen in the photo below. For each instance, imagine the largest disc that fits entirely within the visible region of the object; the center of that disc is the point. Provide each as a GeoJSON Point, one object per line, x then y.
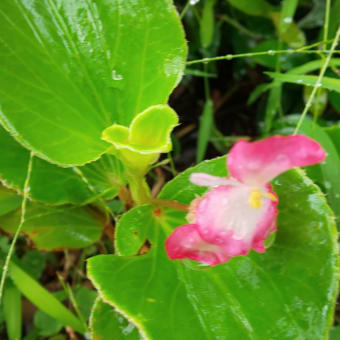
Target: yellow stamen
{"type": "Point", "coordinates": [255, 198]}
{"type": "Point", "coordinates": [270, 196]}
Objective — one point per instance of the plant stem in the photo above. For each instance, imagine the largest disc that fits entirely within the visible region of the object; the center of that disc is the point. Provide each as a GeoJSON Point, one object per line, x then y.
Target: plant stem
{"type": "Point", "coordinates": [22, 221]}
{"type": "Point", "coordinates": [140, 190]}
{"type": "Point", "coordinates": [253, 54]}
{"type": "Point", "coordinates": [318, 82]}
{"type": "Point", "coordinates": [170, 204]}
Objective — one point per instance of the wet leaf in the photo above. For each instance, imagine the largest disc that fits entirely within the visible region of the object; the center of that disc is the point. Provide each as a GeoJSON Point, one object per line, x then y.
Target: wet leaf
{"type": "Point", "coordinates": [73, 68]}
{"type": "Point", "coordinates": [173, 300]}
{"type": "Point", "coordinates": [52, 184]}
{"type": "Point", "coordinates": [52, 228]}
{"type": "Point", "coordinates": [107, 323]}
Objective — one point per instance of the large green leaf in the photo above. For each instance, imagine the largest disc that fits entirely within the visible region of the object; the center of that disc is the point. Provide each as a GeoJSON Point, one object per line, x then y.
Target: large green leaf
{"type": "Point", "coordinates": [287, 293]}
{"type": "Point", "coordinates": [106, 323]}
{"type": "Point", "coordinates": [52, 184]}
{"type": "Point", "coordinates": [69, 69]}
{"type": "Point", "coordinates": [52, 228]}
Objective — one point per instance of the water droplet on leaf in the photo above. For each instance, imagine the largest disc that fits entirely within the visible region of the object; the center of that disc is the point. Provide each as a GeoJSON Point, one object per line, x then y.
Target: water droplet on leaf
{"type": "Point", "coordinates": [116, 76]}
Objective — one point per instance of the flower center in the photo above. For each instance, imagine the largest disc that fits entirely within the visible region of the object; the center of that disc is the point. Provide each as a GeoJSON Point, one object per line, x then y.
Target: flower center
{"type": "Point", "coordinates": [256, 195]}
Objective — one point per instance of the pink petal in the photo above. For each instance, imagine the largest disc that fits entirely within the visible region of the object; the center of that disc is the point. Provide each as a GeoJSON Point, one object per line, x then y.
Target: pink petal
{"type": "Point", "coordinates": [256, 163]}
{"type": "Point", "coordinates": [186, 242]}
{"type": "Point", "coordinates": [206, 180]}
{"type": "Point", "coordinates": [225, 217]}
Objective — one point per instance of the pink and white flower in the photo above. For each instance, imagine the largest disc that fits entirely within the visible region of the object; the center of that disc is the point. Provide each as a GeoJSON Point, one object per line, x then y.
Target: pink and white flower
{"type": "Point", "coordinates": [239, 212]}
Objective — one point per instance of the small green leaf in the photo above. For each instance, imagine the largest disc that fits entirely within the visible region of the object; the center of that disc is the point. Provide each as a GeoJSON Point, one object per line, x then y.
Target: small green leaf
{"type": "Point", "coordinates": [12, 311]}
{"type": "Point", "coordinates": [52, 228]}
{"type": "Point", "coordinates": [175, 301]}
{"type": "Point", "coordinates": [327, 83]}
{"type": "Point", "coordinates": [107, 323]}
{"type": "Point", "coordinates": [141, 143]}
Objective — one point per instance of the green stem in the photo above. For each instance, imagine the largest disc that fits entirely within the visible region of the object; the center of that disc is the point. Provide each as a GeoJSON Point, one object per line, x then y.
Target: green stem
{"type": "Point", "coordinates": [318, 82]}
{"type": "Point", "coordinates": [252, 54]}
{"type": "Point", "coordinates": [140, 190]}
{"type": "Point", "coordinates": [22, 221]}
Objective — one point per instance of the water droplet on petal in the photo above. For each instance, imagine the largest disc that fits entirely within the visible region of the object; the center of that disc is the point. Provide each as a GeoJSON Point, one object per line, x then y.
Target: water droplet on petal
{"type": "Point", "coordinates": [318, 84]}
{"type": "Point", "coordinates": [299, 81]}
{"type": "Point", "coordinates": [288, 20]}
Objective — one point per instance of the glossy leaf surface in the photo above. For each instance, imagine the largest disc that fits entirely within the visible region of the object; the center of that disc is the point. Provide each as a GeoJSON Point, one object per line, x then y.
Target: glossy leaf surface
{"type": "Point", "coordinates": [55, 185]}
{"type": "Point", "coordinates": [52, 228]}
{"type": "Point", "coordinates": [73, 68]}
{"type": "Point", "coordinates": [277, 295]}
{"type": "Point", "coordinates": [107, 323]}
